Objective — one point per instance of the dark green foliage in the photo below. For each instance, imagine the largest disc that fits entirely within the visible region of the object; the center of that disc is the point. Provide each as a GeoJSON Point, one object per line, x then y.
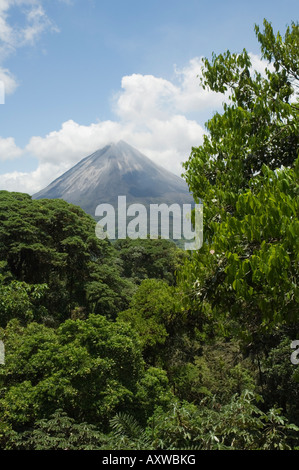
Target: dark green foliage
{"type": "Point", "coordinates": [246, 172]}
{"type": "Point", "coordinates": [53, 243]}
{"type": "Point", "coordinates": [89, 368]}
{"type": "Point", "coordinates": [219, 370]}
{"type": "Point", "coordinates": [148, 259]}
{"type": "Point", "coordinates": [59, 432]}
{"type": "Point", "coordinates": [239, 425]}
{"type": "Point", "coordinates": [280, 379]}
{"type": "Point", "coordinates": [140, 345]}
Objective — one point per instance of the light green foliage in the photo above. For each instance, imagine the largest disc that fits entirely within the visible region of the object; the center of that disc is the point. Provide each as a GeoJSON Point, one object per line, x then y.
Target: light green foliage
{"type": "Point", "coordinates": [243, 283]}
{"type": "Point", "coordinates": [254, 255]}
{"type": "Point", "coordinates": [20, 300]}
{"type": "Point", "coordinates": [59, 432]}
{"type": "Point", "coordinates": [88, 368]}
{"type": "Point", "coordinates": [152, 310]}
{"type": "Point", "coordinates": [239, 425]}
{"type": "Point", "coordinates": [153, 388]}
{"type": "Point", "coordinates": [127, 434]}
{"type": "Point", "coordinates": [140, 345]}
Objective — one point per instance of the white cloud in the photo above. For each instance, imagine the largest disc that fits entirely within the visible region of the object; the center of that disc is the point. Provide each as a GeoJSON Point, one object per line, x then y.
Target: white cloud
{"type": "Point", "coordinates": [152, 116]}
{"type": "Point", "coordinates": [34, 21]}
{"type": "Point", "coordinates": [72, 142]}
{"type": "Point", "coordinates": [27, 182]}
{"type": "Point", "coordinates": [145, 97]}
{"type": "Point", "coordinates": [167, 142]}
{"type": "Point", "coordinates": [8, 149]}
{"type": "Point", "coordinates": [259, 65]}
{"type": "Point", "coordinates": [8, 80]}
{"type": "Point", "coordinates": [192, 97]}
{"type": "Point", "coordinates": [149, 119]}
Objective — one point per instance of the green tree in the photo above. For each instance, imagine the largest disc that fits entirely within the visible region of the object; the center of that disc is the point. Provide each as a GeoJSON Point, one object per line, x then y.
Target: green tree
{"type": "Point", "coordinates": [148, 259]}
{"type": "Point", "coordinates": [53, 243]}
{"type": "Point", "coordinates": [59, 432]}
{"type": "Point", "coordinates": [22, 301]}
{"type": "Point", "coordinates": [153, 309]}
{"type": "Point", "coordinates": [239, 425]}
{"type": "Point", "coordinates": [219, 370]}
{"type": "Point", "coordinates": [246, 172]}
{"type": "Point", "coordinates": [90, 369]}
{"type": "Point", "coordinates": [280, 379]}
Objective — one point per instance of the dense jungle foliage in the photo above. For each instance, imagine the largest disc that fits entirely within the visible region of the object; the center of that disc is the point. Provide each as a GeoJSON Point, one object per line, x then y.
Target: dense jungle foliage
{"type": "Point", "coordinates": [140, 345]}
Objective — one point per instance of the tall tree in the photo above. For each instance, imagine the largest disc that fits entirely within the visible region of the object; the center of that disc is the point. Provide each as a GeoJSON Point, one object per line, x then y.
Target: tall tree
{"type": "Point", "coordinates": [90, 369]}
{"type": "Point", "coordinates": [246, 173]}
{"type": "Point", "coordinates": [53, 243]}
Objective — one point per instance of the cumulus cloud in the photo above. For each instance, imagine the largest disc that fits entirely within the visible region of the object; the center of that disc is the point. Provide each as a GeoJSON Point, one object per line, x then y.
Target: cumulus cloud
{"type": "Point", "coordinates": [8, 149]}
{"type": "Point", "coordinates": [152, 115]}
{"type": "Point", "coordinates": [146, 96]}
{"type": "Point", "coordinates": [27, 182]}
{"type": "Point", "coordinates": [167, 142]}
{"type": "Point", "coordinates": [148, 119]}
{"type": "Point", "coordinates": [191, 97]}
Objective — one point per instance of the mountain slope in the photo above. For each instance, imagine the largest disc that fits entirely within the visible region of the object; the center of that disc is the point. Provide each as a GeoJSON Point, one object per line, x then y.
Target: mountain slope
{"type": "Point", "coordinates": [117, 170]}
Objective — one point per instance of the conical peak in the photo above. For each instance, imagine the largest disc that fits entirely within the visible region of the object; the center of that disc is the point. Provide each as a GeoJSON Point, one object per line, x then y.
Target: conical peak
{"type": "Point", "coordinates": [120, 150]}
{"type": "Point", "coordinates": [121, 145]}
{"type": "Point", "coordinates": [117, 169]}
{"type": "Point", "coordinates": [118, 144]}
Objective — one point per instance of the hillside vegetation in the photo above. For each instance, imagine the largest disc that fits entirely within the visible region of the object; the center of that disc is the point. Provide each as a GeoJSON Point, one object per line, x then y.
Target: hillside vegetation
{"type": "Point", "coordinates": [141, 345]}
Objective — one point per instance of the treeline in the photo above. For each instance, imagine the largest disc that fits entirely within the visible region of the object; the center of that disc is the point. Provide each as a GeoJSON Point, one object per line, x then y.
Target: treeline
{"type": "Point", "coordinates": [141, 345]}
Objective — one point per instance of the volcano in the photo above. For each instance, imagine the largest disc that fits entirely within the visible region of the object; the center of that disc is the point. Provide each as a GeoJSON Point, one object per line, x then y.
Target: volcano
{"type": "Point", "coordinates": [117, 170]}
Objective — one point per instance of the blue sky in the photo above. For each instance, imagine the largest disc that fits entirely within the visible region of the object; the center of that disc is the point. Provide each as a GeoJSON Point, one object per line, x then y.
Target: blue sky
{"type": "Point", "coordinates": [81, 73]}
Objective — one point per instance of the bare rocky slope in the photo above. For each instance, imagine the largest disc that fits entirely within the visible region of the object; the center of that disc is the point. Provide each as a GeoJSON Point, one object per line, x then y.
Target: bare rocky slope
{"type": "Point", "coordinates": [117, 170]}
